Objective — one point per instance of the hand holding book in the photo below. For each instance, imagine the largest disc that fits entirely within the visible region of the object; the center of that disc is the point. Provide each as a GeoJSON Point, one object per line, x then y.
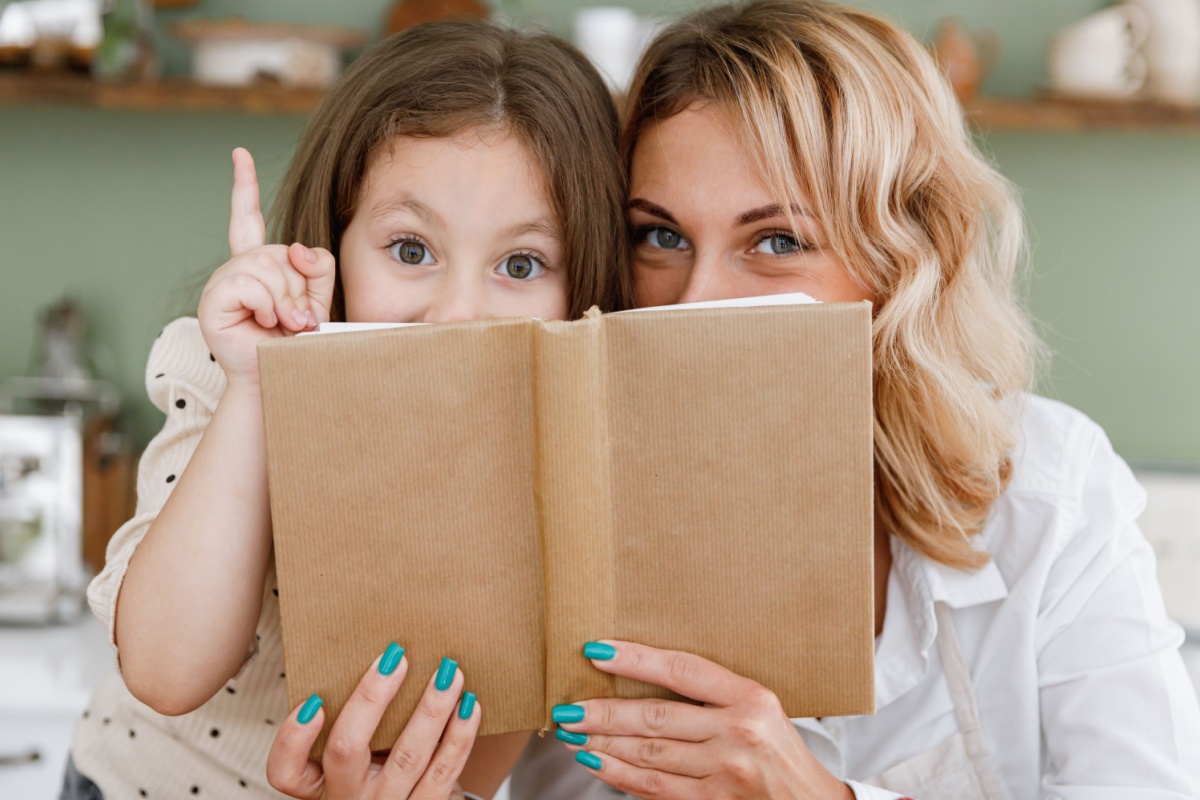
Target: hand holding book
{"type": "Point", "coordinates": [738, 743]}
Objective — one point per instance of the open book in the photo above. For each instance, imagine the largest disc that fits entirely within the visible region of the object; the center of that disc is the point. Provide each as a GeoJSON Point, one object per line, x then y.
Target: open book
{"type": "Point", "coordinates": [502, 491]}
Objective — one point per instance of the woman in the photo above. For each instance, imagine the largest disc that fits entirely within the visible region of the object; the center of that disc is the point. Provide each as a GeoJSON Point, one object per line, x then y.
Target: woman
{"type": "Point", "coordinates": [1022, 646]}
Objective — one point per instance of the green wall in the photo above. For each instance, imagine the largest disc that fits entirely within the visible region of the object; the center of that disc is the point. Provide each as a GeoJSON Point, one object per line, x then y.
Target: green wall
{"type": "Point", "coordinates": [127, 212]}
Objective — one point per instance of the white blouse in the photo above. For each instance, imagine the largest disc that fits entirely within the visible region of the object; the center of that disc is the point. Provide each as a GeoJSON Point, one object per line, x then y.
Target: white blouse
{"type": "Point", "coordinates": [1081, 690]}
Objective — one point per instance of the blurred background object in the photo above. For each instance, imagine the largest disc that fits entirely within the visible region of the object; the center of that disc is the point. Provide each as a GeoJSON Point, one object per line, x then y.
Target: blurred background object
{"type": "Point", "coordinates": [238, 52]}
{"type": "Point", "coordinates": [50, 34]}
{"type": "Point", "coordinates": [1172, 49]}
{"type": "Point", "coordinates": [964, 58]}
{"type": "Point", "coordinates": [406, 13]}
{"type": "Point", "coordinates": [66, 476]}
{"type": "Point", "coordinates": [1100, 55]}
{"type": "Point", "coordinates": [127, 49]}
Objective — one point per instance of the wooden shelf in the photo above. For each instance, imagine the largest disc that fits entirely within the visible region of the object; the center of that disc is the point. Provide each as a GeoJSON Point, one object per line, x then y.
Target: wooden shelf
{"type": "Point", "coordinates": [1040, 113]}
{"type": "Point", "coordinates": [1055, 113]}
{"type": "Point", "coordinates": [166, 95]}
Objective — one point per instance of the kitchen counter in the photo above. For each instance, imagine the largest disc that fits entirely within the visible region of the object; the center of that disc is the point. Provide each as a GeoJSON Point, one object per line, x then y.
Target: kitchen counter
{"type": "Point", "coordinates": [46, 679]}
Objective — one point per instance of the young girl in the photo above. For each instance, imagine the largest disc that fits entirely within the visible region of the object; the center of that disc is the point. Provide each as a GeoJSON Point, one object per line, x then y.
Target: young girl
{"type": "Point", "coordinates": [456, 171]}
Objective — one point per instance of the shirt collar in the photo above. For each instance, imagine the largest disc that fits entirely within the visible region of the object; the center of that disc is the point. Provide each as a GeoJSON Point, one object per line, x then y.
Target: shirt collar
{"type": "Point", "coordinates": [910, 627]}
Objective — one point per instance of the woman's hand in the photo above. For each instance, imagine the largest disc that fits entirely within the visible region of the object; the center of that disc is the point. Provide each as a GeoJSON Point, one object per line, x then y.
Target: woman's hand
{"type": "Point", "coordinates": [263, 290]}
{"type": "Point", "coordinates": [739, 744]}
{"type": "Point", "coordinates": [424, 764]}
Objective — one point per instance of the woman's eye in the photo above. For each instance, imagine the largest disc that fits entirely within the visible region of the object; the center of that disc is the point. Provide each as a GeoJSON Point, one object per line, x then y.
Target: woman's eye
{"type": "Point", "coordinates": [663, 239]}
{"type": "Point", "coordinates": [778, 244]}
{"type": "Point", "coordinates": [412, 252]}
{"type": "Point", "coordinates": [521, 267]}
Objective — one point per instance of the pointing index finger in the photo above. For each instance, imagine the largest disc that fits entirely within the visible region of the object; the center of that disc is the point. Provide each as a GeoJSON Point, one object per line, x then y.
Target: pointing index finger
{"type": "Point", "coordinates": [247, 230]}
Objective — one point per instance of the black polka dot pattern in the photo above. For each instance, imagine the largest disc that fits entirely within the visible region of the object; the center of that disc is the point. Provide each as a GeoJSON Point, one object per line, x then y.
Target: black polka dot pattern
{"type": "Point", "coordinates": [181, 403]}
{"type": "Point", "coordinates": [231, 690]}
{"type": "Point", "coordinates": [214, 733]}
{"type": "Point", "coordinates": [132, 733]}
{"type": "Point", "coordinates": [142, 793]}
{"type": "Point", "coordinates": [241, 783]}
{"type": "Point", "coordinates": [159, 375]}
{"type": "Point", "coordinates": [275, 592]}
{"type": "Point", "coordinates": [195, 790]}
{"type": "Point", "coordinates": [270, 722]}
{"type": "Point", "coordinates": [170, 479]}
{"type": "Point", "coordinates": [211, 357]}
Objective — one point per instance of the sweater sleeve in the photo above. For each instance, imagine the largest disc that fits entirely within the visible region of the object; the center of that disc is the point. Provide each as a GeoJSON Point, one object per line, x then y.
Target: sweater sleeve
{"type": "Point", "coordinates": [185, 383]}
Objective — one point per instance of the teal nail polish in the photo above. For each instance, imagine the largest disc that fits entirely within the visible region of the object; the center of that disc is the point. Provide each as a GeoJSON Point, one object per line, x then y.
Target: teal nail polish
{"type": "Point", "coordinates": [569, 737]}
{"type": "Point", "coordinates": [599, 651]}
{"type": "Point", "coordinates": [445, 674]}
{"type": "Point", "coordinates": [589, 760]}
{"type": "Point", "coordinates": [391, 659]}
{"type": "Point", "coordinates": [466, 706]}
{"type": "Point", "coordinates": [309, 709]}
{"type": "Point", "coordinates": [571, 713]}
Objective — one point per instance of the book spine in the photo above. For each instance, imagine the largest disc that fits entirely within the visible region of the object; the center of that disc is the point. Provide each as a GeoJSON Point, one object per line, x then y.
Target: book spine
{"type": "Point", "coordinates": [573, 496]}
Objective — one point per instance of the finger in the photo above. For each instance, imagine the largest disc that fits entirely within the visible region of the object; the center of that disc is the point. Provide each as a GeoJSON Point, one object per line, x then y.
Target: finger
{"type": "Point", "coordinates": [419, 739]}
{"type": "Point", "coordinates": [638, 781]}
{"type": "Point", "coordinates": [447, 764]}
{"type": "Point", "coordinates": [683, 673]}
{"type": "Point", "coordinates": [283, 283]}
{"type": "Point", "coordinates": [246, 294]}
{"type": "Point", "coordinates": [247, 229]}
{"type": "Point", "coordinates": [319, 269]}
{"type": "Point", "coordinates": [288, 767]}
{"type": "Point", "coordinates": [347, 758]}
{"type": "Point", "coordinates": [665, 719]}
{"type": "Point", "coordinates": [665, 755]}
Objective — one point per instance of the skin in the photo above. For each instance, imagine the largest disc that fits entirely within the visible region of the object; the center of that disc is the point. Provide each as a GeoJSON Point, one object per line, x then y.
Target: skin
{"type": "Point", "coordinates": [446, 229]}
{"type": "Point", "coordinates": [708, 234]}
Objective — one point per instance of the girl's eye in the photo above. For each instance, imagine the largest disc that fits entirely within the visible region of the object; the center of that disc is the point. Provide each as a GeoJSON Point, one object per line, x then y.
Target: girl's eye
{"type": "Point", "coordinates": [521, 267]}
{"type": "Point", "coordinates": [779, 244]}
{"type": "Point", "coordinates": [664, 239]}
{"type": "Point", "coordinates": [410, 251]}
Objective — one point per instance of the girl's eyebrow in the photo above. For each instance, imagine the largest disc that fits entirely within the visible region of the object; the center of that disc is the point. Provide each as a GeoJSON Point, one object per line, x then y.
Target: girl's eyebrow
{"type": "Point", "coordinates": [408, 203]}
{"type": "Point", "coordinates": [541, 226]}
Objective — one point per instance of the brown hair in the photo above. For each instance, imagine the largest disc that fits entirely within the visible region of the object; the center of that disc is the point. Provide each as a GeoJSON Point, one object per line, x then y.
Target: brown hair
{"type": "Point", "coordinates": [848, 109]}
{"type": "Point", "coordinates": [443, 78]}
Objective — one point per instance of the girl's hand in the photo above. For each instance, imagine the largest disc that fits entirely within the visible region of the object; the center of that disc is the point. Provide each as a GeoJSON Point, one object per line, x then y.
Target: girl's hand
{"type": "Point", "coordinates": [424, 764]}
{"type": "Point", "coordinates": [739, 744]}
{"type": "Point", "coordinates": [263, 290]}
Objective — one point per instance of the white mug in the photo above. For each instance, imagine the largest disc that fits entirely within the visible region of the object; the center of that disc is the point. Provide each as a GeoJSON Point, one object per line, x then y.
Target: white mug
{"type": "Point", "coordinates": [1098, 55]}
{"type": "Point", "coordinates": [1172, 49]}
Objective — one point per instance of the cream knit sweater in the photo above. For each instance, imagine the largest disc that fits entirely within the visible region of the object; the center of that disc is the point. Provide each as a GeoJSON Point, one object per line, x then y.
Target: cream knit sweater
{"type": "Point", "coordinates": [220, 749]}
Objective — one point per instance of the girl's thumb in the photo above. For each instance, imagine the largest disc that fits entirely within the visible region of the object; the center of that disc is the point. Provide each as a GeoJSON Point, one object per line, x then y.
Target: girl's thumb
{"type": "Point", "coordinates": [317, 266]}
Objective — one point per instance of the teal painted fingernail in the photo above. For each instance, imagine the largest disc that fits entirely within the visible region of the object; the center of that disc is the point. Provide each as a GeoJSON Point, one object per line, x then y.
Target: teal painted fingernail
{"type": "Point", "coordinates": [569, 737]}
{"type": "Point", "coordinates": [571, 713]}
{"type": "Point", "coordinates": [588, 760]}
{"type": "Point", "coordinates": [599, 651]}
{"type": "Point", "coordinates": [466, 706]}
{"type": "Point", "coordinates": [445, 674]}
{"type": "Point", "coordinates": [391, 659]}
{"type": "Point", "coordinates": [309, 709]}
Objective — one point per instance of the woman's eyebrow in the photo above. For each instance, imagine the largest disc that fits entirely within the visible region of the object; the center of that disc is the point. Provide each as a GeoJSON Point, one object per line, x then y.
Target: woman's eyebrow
{"type": "Point", "coordinates": [652, 209]}
{"type": "Point", "coordinates": [769, 212]}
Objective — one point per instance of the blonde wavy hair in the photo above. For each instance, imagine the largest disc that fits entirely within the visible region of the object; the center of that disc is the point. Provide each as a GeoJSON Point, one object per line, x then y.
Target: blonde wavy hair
{"type": "Point", "coordinates": [846, 108]}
